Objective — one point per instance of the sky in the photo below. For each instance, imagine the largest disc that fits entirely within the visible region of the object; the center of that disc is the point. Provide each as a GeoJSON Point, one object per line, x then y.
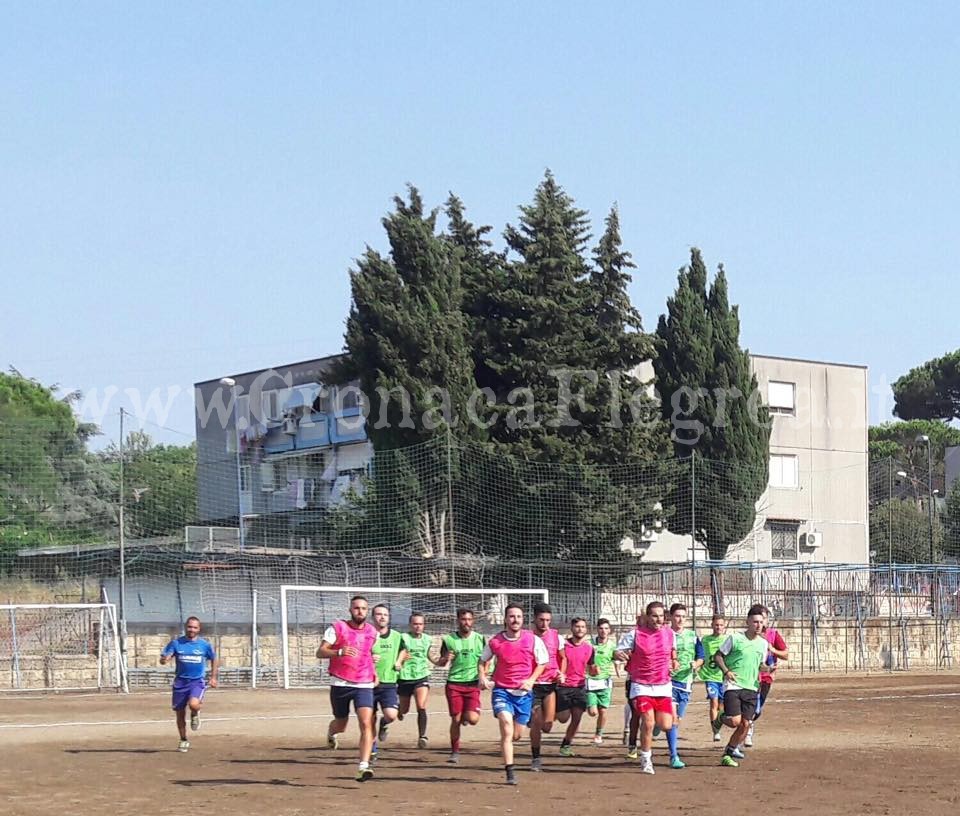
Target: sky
{"type": "Point", "coordinates": [184, 186]}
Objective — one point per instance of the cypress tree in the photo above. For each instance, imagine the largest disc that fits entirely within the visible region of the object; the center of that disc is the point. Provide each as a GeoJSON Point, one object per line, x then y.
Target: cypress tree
{"type": "Point", "coordinates": [709, 393]}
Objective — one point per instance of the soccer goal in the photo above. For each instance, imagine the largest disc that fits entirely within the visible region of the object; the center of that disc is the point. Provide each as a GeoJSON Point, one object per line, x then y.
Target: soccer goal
{"type": "Point", "coordinates": [306, 611]}
{"type": "Point", "coordinates": [59, 647]}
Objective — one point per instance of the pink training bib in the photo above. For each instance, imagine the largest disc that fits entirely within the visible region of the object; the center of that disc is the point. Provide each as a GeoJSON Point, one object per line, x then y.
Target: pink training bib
{"type": "Point", "coordinates": [357, 669]}
{"type": "Point", "coordinates": [515, 659]}
{"type": "Point", "coordinates": [649, 662]}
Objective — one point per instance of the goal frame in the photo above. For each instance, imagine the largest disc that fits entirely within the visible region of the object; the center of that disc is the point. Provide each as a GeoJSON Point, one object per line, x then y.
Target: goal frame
{"type": "Point", "coordinates": [108, 623]}
{"type": "Point", "coordinates": [382, 590]}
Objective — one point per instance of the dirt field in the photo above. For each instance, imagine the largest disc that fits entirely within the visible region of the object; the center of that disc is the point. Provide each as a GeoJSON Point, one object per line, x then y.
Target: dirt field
{"type": "Point", "coordinates": [878, 745]}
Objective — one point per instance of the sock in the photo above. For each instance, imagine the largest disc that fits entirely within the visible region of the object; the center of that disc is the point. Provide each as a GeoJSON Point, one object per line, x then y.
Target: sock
{"type": "Point", "coordinates": [455, 745]}
{"type": "Point", "coordinates": [672, 735]}
{"type": "Point", "coordinates": [646, 754]}
{"type": "Point", "coordinates": [422, 721]}
{"type": "Point", "coordinates": [364, 766]}
{"type": "Point", "coordinates": [564, 743]}
{"type": "Point", "coordinates": [535, 752]}
{"type": "Point", "coordinates": [730, 749]}
{"type": "Point", "coordinates": [632, 746]}
{"type": "Point", "coordinates": [509, 770]}
{"type": "Point", "coordinates": [599, 732]}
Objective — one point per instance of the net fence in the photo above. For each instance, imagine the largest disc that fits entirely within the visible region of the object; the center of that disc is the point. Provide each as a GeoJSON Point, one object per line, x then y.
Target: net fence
{"type": "Point", "coordinates": [209, 527]}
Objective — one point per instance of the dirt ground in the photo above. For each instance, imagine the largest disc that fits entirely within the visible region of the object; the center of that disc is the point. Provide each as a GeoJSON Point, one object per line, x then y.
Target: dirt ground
{"type": "Point", "coordinates": [884, 744]}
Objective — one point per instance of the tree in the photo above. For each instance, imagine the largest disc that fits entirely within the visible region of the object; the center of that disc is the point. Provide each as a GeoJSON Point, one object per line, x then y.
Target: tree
{"type": "Point", "coordinates": [407, 345]}
{"type": "Point", "coordinates": [952, 523]}
{"type": "Point", "coordinates": [52, 492]}
{"type": "Point", "coordinates": [931, 390]}
{"type": "Point", "coordinates": [900, 442]}
{"type": "Point", "coordinates": [709, 392]}
{"type": "Point", "coordinates": [160, 484]}
{"type": "Point", "coordinates": [900, 528]}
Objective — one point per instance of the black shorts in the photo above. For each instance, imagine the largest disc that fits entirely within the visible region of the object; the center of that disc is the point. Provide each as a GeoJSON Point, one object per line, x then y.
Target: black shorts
{"type": "Point", "coordinates": [571, 697]}
{"type": "Point", "coordinates": [740, 703]}
{"type": "Point", "coordinates": [541, 691]}
{"type": "Point", "coordinates": [405, 688]}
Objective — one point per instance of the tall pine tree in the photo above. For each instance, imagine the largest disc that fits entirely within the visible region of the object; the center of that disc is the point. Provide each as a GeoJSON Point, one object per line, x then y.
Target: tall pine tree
{"type": "Point", "coordinates": [709, 394]}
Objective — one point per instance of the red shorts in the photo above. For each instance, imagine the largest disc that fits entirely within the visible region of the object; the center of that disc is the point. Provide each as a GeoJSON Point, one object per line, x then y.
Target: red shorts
{"type": "Point", "coordinates": [462, 698]}
{"type": "Point", "coordinates": [662, 704]}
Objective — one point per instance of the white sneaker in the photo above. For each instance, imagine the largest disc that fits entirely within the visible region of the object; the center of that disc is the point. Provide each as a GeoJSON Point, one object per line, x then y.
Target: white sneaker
{"type": "Point", "coordinates": [184, 746]}
{"type": "Point", "coordinates": [422, 742]}
{"type": "Point", "coordinates": [597, 739]}
{"type": "Point", "coordinates": [454, 758]}
{"type": "Point", "coordinates": [716, 737]}
{"type": "Point", "coordinates": [194, 721]}
{"type": "Point", "coordinates": [646, 766]}
{"type": "Point", "coordinates": [749, 738]}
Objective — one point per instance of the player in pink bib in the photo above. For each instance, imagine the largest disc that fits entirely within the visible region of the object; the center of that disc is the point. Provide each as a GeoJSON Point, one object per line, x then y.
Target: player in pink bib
{"type": "Point", "coordinates": [348, 645]}
{"type": "Point", "coordinates": [521, 659]}
{"type": "Point", "coordinates": [572, 692]}
{"type": "Point", "coordinates": [651, 655]}
{"type": "Point", "coordinates": [545, 689]}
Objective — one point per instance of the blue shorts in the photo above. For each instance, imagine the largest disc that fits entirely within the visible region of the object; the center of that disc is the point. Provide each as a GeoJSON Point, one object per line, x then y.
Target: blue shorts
{"type": "Point", "coordinates": [519, 706]}
{"type": "Point", "coordinates": [681, 698]}
{"type": "Point", "coordinates": [386, 696]}
{"type": "Point", "coordinates": [714, 689]}
{"type": "Point", "coordinates": [341, 696]}
{"type": "Point", "coordinates": [186, 689]}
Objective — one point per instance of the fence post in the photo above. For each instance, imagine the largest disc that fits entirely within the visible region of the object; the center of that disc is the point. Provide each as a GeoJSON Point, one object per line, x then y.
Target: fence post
{"type": "Point", "coordinates": [15, 648]}
{"type": "Point", "coordinates": [254, 643]}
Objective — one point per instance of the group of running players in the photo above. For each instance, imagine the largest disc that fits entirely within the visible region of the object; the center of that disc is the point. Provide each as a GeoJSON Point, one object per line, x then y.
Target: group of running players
{"type": "Point", "coordinates": [536, 676]}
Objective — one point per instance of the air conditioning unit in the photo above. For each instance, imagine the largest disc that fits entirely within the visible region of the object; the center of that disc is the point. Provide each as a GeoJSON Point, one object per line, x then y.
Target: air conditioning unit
{"type": "Point", "coordinates": [812, 540]}
{"type": "Point", "coordinates": [289, 425]}
{"type": "Point", "coordinates": [648, 536]}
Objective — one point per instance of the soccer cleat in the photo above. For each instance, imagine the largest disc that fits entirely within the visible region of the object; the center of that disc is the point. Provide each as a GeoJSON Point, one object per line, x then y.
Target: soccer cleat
{"type": "Point", "coordinates": [536, 764]}
{"type": "Point", "coordinates": [729, 762]}
{"type": "Point", "coordinates": [736, 753]}
{"type": "Point", "coordinates": [184, 746]}
{"type": "Point", "coordinates": [382, 731]}
{"type": "Point", "coordinates": [194, 721]}
{"type": "Point", "coordinates": [597, 739]}
{"type": "Point", "coordinates": [566, 751]}
{"type": "Point", "coordinates": [364, 774]}
{"type": "Point", "coordinates": [633, 753]}
{"type": "Point", "coordinates": [333, 741]}
{"type": "Point", "coordinates": [716, 736]}
{"type": "Point", "coordinates": [511, 778]}
{"type": "Point", "coordinates": [646, 766]}
{"type": "Point", "coordinates": [749, 738]}
{"type": "Point", "coordinates": [454, 758]}
{"type": "Point", "coordinates": [676, 763]}
{"type": "Point", "coordinates": [422, 742]}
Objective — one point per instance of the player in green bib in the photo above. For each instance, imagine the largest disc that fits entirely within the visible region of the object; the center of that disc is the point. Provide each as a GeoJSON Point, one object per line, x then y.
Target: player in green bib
{"type": "Point", "coordinates": [460, 651]}
{"type": "Point", "coordinates": [740, 657]}
{"type": "Point", "coordinates": [689, 659]}
{"type": "Point", "coordinates": [388, 655]}
{"type": "Point", "coordinates": [711, 676]}
{"type": "Point", "coordinates": [600, 685]}
{"type": "Point", "coordinates": [415, 675]}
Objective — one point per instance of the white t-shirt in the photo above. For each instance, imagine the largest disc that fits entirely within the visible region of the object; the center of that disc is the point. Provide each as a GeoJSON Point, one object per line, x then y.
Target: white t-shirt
{"type": "Point", "coordinates": [330, 637]}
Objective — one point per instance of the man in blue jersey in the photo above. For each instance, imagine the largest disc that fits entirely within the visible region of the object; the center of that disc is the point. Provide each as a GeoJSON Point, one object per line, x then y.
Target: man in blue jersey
{"type": "Point", "coordinates": [191, 653]}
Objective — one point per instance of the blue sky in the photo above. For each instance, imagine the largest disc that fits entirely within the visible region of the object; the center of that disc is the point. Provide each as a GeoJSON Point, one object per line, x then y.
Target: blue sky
{"type": "Point", "coordinates": [186, 185]}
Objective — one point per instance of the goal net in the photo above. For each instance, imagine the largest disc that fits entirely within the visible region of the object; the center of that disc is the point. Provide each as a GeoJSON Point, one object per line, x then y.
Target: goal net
{"type": "Point", "coordinates": [59, 647]}
{"type": "Point", "coordinates": [306, 612]}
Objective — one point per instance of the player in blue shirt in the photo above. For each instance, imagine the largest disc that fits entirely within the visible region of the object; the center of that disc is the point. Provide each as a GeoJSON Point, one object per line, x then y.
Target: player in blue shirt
{"type": "Point", "coordinates": [191, 653]}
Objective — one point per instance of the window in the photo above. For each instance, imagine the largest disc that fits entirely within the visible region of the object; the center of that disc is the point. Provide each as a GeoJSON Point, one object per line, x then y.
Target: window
{"type": "Point", "coordinates": [243, 412]}
{"type": "Point", "coordinates": [781, 398]}
{"type": "Point", "coordinates": [270, 407]}
{"type": "Point", "coordinates": [348, 398]}
{"type": "Point", "coordinates": [783, 540]}
{"type": "Point", "coordinates": [784, 471]}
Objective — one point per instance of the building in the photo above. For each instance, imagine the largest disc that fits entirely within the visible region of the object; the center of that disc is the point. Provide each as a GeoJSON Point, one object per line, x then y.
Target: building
{"type": "Point", "coordinates": [293, 446]}
{"type": "Point", "coordinates": [815, 508]}
{"type": "Point", "coordinates": [280, 444]}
